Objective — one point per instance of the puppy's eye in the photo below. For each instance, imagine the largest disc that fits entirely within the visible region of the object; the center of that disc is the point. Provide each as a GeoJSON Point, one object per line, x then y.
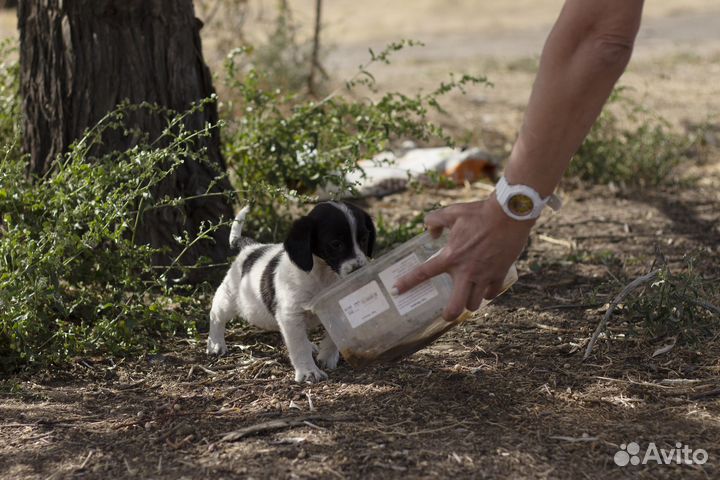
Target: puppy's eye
{"type": "Point", "coordinates": [336, 245]}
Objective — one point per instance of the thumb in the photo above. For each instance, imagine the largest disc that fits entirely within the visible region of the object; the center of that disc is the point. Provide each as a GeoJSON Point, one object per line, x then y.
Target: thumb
{"type": "Point", "coordinates": [434, 266]}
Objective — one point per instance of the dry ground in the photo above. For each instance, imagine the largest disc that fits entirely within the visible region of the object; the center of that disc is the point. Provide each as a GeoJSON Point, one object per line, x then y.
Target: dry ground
{"type": "Point", "coordinates": [505, 395]}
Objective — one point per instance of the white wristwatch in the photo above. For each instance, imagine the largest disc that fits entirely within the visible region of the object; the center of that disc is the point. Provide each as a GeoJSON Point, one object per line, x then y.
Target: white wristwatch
{"type": "Point", "coordinates": [521, 202]}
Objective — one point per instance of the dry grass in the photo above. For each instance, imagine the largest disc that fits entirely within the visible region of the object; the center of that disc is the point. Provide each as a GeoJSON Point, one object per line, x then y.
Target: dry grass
{"type": "Point", "coordinates": [506, 395]}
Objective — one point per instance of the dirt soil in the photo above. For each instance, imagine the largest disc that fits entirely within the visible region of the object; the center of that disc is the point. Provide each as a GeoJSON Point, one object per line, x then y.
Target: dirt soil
{"type": "Point", "coordinates": [505, 395]}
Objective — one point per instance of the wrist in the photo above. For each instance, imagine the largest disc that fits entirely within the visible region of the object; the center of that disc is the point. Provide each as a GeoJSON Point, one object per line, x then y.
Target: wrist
{"type": "Point", "coordinates": [496, 212]}
{"type": "Point", "coordinates": [521, 202]}
{"type": "Point", "coordinates": [525, 167]}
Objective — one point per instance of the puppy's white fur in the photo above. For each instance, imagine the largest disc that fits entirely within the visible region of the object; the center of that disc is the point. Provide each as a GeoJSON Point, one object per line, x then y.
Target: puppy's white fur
{"type": "Point", "coordinates": [240, 295]}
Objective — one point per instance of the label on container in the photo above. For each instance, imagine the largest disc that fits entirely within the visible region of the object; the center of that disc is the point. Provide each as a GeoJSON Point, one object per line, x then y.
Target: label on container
{"type": "Point", "coordinates": [364, 304]}
{"type": "Point", "coordinates": [414, 297]}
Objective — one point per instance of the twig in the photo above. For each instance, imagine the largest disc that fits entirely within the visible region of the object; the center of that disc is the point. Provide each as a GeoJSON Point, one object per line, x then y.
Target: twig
{"type": "Point", "coordinates": [572, 306]}
{"type": "Point", "coordinates": [569, 244]}
{"type": "Point", "coordinates": [314, 62]}
{"type": "Point", "coordinates": [590, 220]}
{"type": "Point", "coordinates": [573, 439]}
{"type": "Point", "coordinates": [316, 427]}
{"type": "Point", "coordinates": [204, 369]}
{"type": "Point", "coordinates": [434, 430]}
{"type": "Point", "coordinates": [87, 459]}
{"type": "Point", "coordinates": [550, 328]}
{"type": "Point", "coordinates": [631, 287]}
{"type": "Point", "coordinates": [131, 471]}
{"type": "Point", "coordinates": [706, 305]}
{"type": "Point", "coordinates": [279, 424]}
{"type": "Point", "coordinates": [679, 381]}
{"type": "Point", "coordinates": [708, 394]}
{"type": "Point", "coordinates": [207, 370]}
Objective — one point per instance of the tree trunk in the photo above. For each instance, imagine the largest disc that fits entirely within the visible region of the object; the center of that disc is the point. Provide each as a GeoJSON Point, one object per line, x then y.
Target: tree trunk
{"type": "Point", "coordinates": [8, 3]}
{"type": "Point", "coordinates": [80, 58]}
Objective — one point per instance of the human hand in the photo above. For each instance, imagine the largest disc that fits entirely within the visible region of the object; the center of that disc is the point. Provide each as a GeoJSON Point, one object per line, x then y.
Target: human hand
{"type": "Point", "coordinates": [482, 245]}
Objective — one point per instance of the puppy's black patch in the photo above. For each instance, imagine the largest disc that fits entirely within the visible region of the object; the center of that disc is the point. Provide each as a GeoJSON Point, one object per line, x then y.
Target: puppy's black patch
{"type": "Point", "coordinates": [365, 229]}
{"type": "Point", "coordinates": [267, 283]}
{"type": "Point", "coordinates": [298, 243]}
{"type": "Point", "coordinates": [238, 245]}
{"type": "Point", "coordinates": [332, 239]}
{"type": "Point", "coordinates": [252, 258]}
{"type": "Point", "coordinates": [326, 232]}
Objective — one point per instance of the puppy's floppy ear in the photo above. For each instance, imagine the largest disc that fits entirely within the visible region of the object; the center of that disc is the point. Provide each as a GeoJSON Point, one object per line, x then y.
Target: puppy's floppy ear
{"type": "Point", "coordinates": [370, 225]}
{"type": "Point", "coordinates": [298, 243]}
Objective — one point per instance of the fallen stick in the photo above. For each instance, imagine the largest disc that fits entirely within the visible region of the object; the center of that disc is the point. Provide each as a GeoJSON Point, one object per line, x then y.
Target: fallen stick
{"type": "Point", "coordinates": [569, 244]}
{"type": "Point", "coordinates": [573, 439]}
{"type": "Point", "coordinates": [629, 288]}
{"type": "Point", "coordinates": [572, 306]}
{"type": "Point", "coordinates": [708, 394]}
{"type": "Point", "coordinates": [85, 462]}
{"type": "Point", "coordinates": [279, 424]}
{"type": "Point", "coordinates": [707, 306]}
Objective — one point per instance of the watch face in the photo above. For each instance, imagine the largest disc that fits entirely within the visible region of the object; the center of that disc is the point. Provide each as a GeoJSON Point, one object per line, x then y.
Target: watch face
{"type": "Point", "coordinates": [520, 204]}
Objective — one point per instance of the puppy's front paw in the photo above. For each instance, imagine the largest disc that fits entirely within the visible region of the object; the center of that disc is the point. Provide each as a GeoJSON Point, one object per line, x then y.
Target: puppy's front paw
{"type": "Point", "coordinates": [328, 358]}
{"type": "Point", "coordinates": [216, 346]}
{"type": "Point", "coordinates": [310, 375]}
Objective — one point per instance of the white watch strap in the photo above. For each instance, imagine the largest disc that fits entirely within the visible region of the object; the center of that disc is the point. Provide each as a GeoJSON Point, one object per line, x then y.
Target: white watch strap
{"type": "Point", "coordinates": [504, 191]}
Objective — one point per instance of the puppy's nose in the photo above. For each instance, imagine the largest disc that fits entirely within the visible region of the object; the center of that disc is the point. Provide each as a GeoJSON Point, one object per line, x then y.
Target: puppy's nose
{"type": "Point", "coordinates": [360, 262]}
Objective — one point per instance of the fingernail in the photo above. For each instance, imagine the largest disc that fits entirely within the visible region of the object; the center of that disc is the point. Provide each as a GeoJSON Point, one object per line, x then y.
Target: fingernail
{"type": "Point", "coordinates": [394, 291]}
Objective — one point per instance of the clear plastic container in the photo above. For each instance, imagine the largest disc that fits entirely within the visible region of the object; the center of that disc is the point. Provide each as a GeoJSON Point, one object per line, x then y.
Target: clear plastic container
{"type": "Point", "coordinates": [368, 324]}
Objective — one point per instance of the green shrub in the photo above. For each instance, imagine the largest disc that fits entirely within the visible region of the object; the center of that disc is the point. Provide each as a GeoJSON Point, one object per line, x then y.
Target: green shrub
{"type": "Point", "coordinates": [72, 279]}
{"type": "Point", "coordinates": [679, 302]}
{"type": "Point", "coordinates": [631, 147]}
{"type": "Point", "coordinates": [281, 147]}
{"type": "Point", "coordinates": [391, 234]}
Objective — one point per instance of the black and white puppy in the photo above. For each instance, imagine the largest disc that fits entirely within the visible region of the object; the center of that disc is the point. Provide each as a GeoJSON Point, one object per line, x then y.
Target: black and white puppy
{"type": "Point", "coordinates": [269, 285]}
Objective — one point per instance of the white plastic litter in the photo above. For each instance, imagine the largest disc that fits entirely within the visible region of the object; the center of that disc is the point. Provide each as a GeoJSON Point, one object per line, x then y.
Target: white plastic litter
{"type": "Point", "coordinates": [387, 173]}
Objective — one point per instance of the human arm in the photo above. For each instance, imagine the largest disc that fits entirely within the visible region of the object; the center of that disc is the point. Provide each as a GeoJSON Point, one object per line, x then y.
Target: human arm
{"type": "Point", "coordinates": [585, 54]}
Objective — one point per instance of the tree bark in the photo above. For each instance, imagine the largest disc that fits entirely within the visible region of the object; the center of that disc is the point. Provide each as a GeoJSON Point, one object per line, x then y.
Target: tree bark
{"type": "Point", "coordinates": [80, 58]}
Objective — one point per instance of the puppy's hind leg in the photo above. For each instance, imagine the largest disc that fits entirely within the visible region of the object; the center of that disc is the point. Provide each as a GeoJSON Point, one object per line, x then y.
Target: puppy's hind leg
{"type": "Point", "coordinates": [223, 310]}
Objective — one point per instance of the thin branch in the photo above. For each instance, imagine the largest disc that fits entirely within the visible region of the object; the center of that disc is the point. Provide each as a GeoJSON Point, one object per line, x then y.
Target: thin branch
{"type": "Point", "coordinates": [631, 287]}
{"type": "Point", "coordinates": [314, 62]}
{"type": "Point", "coordinates": [572, 306]}
{"type": "Point", "coordinates": [706, 305]}
{"type": "Point", "coordinates": [279, 424]}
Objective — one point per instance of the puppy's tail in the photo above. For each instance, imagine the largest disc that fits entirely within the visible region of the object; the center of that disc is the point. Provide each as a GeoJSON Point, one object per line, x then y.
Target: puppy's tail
{"type": "Point", "coordinates": [237, 241]}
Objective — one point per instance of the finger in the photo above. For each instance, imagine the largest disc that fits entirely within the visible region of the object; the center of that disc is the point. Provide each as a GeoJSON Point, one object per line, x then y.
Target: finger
{"type": "Point", "coordinates": [443, 218]}
{"type": "Point", "coordinates": [494, 289]}
{"type": "Point", "coordinates": [458, 300]}
{"type": "Point", "coordinates": [438, 220]}
{"type": "Point", "coordinates": [435, 232]}
{"type": "Point", "coordinates": [426, 271]}
{"type": "Point", "coordinates": [476, 296]}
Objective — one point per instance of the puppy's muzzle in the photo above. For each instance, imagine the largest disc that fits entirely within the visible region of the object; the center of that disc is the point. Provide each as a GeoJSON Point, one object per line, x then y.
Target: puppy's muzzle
{"type": "Point", "coordinates": [351, 265]}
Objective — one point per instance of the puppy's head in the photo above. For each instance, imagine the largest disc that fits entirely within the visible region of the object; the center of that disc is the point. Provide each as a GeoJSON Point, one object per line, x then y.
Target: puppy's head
{"type": "Point", "coordinates": [340, 234]}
